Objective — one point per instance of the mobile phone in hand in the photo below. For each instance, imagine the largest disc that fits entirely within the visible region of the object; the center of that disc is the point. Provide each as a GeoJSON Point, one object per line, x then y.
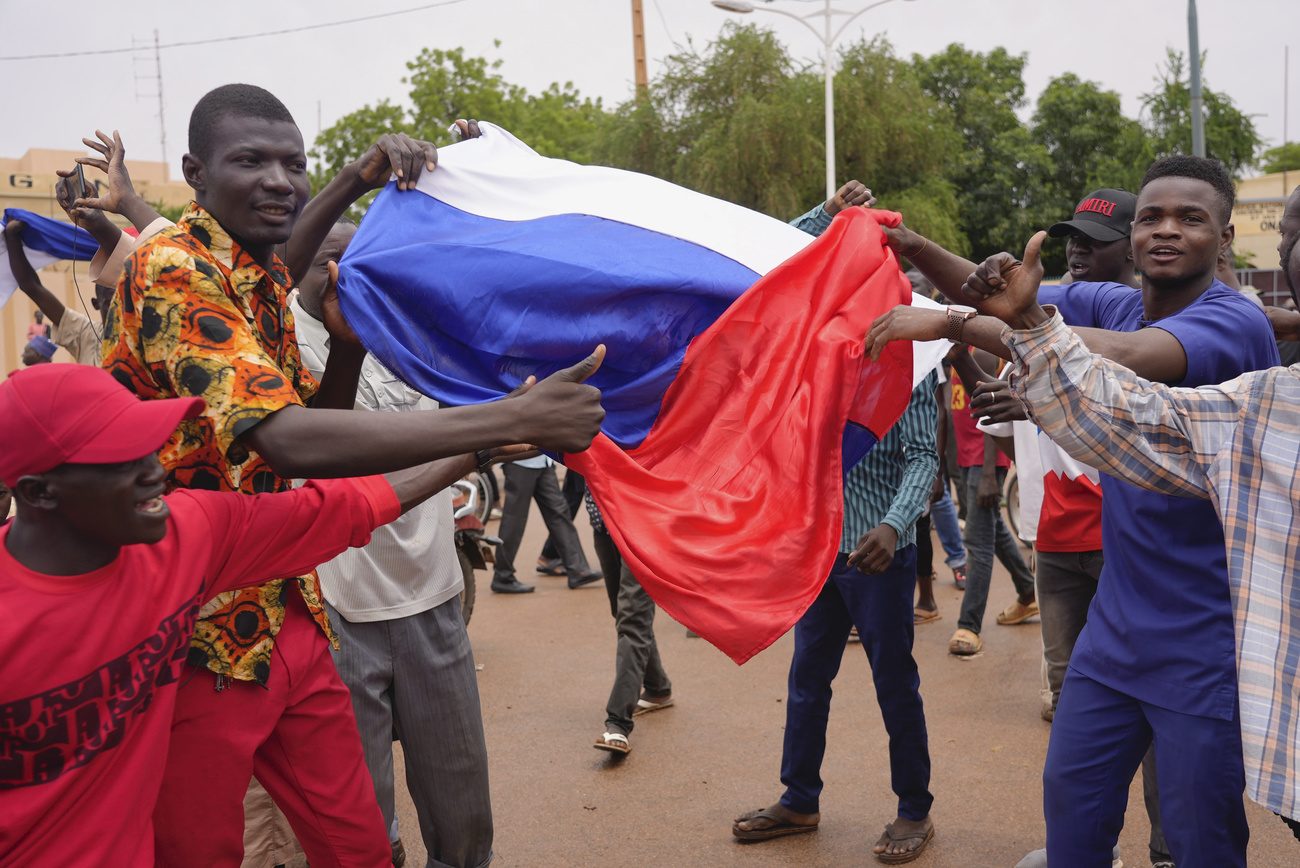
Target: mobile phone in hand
{"type": "Point", "coordinates": [74, 186]}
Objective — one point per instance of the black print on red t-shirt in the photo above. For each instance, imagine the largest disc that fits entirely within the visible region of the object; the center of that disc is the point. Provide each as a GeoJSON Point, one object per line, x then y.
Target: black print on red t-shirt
{"type": "Point", "coordinates": [46, 735]}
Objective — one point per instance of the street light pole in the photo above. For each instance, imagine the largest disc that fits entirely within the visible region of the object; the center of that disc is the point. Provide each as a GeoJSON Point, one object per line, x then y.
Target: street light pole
{"type": "Point", "coordinates": [1198, 120]}
{"type": "Point", "coordinates": [828, 38]}
{"type": "Point", "coordinates": [828, 74]}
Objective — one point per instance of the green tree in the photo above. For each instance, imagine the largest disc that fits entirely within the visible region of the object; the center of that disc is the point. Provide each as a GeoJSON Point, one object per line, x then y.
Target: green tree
{"type": "Point", "coordinates": [1089, 144]}
{"type": "Point", "coordinates": [1230, 134]}
{"type": "Point", "coordinates": [1283, 158]}
{"type": "Point", "coordinates": [1000, 170]}
{"type": "Point", "coordinates": [743, 121]}
{"type": "Point", "coordinates": [446, 85]}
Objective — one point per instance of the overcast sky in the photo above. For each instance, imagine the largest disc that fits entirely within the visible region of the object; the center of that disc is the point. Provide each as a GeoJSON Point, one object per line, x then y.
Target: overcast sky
{"type": "Point", "coordinates": [52, 103]}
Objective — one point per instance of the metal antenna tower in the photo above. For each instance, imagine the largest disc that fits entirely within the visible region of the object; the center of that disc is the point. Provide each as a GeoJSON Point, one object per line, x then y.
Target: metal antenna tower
{"type": "Point", "coordinates": [154, 75]}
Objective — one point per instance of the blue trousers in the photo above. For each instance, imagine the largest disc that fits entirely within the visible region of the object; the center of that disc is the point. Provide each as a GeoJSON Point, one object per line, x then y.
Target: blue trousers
{"type": "Point", "coordinates": [880, 606]}
{"type": "Point", "coordinates": [1099, 736]}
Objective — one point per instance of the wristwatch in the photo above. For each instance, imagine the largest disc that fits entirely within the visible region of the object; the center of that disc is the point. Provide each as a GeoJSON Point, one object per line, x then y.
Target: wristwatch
{"type": "Point", "coordinates": [483, 458]}
{"type": "Point", "coordinates": [957, 316]}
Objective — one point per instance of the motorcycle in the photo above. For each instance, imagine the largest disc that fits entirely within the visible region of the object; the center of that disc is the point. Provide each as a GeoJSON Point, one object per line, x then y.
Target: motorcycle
{"type": "Point", "coordinates": [474, 548]}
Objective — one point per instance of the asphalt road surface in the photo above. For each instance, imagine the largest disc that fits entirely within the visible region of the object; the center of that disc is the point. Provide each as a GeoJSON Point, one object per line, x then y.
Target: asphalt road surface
{"type": "Point", "coordinates": [547, 665]}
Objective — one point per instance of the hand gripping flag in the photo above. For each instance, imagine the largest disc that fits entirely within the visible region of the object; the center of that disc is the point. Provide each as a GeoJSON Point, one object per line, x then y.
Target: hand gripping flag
{"type": "Point", "coordinates": [735, 370]}
{"type": "Point", "coordinates": [46, 241]}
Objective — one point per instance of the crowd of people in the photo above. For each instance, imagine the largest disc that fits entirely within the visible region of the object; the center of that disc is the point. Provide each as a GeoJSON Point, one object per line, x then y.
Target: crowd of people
{"type": "Point", "coordinates": [191, 632]}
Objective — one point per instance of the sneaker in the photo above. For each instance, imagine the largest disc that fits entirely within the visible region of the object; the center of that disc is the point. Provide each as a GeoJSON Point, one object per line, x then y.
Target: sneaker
{"type": "Point", "coordinates": [959, 577]}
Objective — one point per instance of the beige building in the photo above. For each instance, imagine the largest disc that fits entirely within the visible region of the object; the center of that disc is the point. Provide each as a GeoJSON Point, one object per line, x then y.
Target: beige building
{"type": "Point", "coordinates": [1259, 210]}
{"type": "Point", "coordinates": [28, 183]}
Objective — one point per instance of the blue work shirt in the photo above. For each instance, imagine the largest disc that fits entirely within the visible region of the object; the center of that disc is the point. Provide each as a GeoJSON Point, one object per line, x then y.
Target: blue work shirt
{"type": "Point", "coordinates": [1160, 628]}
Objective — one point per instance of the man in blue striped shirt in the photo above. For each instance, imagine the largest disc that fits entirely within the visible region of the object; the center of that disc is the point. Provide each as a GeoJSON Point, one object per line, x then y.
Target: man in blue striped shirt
{"type": "Point", "coordinates": [871, 586]}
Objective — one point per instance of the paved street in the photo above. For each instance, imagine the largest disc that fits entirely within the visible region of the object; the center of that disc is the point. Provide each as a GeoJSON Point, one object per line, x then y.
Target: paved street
{"type": "Point", "coordinates": [548, 662]}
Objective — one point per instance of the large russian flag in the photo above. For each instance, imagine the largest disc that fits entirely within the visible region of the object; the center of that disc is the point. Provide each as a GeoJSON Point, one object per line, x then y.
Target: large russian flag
{"type": "Point", "coordinates": [735, 382]}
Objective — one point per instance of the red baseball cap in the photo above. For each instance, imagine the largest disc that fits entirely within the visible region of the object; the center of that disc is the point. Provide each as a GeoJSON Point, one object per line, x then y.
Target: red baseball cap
{"type": "Point", "coordinates": [78, 414]}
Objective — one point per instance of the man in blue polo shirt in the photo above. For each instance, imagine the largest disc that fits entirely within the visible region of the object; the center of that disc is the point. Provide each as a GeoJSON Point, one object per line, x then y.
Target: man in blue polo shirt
{"type": "Point", "coordinates": [1156, 661]}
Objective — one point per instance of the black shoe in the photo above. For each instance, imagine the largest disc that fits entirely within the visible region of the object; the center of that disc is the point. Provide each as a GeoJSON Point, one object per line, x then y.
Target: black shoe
{"type": "Point", "coordinates": [399, 854]}
{"type": "Point", "coordinates": [585, 579]}
{"type": "Point", "coordinates": [553, 567]}
{"type": "Point", "coordinates": [514, 586]}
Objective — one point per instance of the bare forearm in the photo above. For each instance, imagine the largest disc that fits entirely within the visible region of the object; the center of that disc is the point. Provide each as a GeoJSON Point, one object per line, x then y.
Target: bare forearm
{"type": "Point", "coordinates": [970, 373]}
{"type": "Point", "coordinates": [946, 270]}
{"type": "Point", "coordinates": [138, 211]}
{"type": "Point", "coordinates": [990, 454]}
{"type": "Point", "coordinates": [31, 285]}
{"type": "Point", "coordinates": [316, 220]}
{"type": "Point", "coordinates": [418, 484]}
{"type": "Point", "coordinates": [1152, 354]}
{"type": "Point", "coordinates": [323, 444]}
{"type": "Point", "coordinates": [338, 382]}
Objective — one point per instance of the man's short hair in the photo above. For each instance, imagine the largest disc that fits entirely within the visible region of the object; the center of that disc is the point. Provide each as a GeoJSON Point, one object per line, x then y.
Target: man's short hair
{"type": "Point", "coordinates": [237, 100]}
{"type": "Point", "coordinates": [1204, 169]}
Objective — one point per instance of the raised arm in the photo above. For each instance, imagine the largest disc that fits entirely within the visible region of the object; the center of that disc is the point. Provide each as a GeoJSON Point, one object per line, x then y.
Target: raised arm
{"type": "Point", "coordinates": [121, 197]}
{"type": "Point", "coordinates": [28, 281]}
{"type": "Point", "coordinates": [1153, 353]}
{"type": "Point", "coordinates": [394, 154]}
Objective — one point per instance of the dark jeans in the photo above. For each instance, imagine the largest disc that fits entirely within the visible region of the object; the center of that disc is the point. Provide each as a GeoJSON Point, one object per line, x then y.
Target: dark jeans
{"type": "Point", "coordinates": [523, 486]}
{"type": "Point", "coordinates": [986, 535]}
{"type": "Point", "coordinates": [1067, 582]}
{"type": "Point", "coordinates": [573, 489]}
{"type": "Point", "coordinates": [637, 664]}
{"type": "Point", "coordinates": [1098, 740]}
{"type": "Point", "coordinates": [880, 606]}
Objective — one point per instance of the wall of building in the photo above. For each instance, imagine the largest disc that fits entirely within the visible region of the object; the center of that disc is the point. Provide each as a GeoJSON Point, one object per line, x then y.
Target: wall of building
{"type": "Point", "coordinates": [28, 182]}
{"type": "Point", "coordinates": [1260, 202]}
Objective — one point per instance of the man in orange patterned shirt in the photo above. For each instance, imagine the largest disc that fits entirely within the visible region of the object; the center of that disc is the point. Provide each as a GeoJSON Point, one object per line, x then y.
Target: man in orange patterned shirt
{"type": "Point", "coordinates": [201, 311]}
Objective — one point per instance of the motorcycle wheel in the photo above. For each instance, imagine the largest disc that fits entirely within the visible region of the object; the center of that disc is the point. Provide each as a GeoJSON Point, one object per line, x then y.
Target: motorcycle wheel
{"type": "Point", "coordinates": [469, 592]}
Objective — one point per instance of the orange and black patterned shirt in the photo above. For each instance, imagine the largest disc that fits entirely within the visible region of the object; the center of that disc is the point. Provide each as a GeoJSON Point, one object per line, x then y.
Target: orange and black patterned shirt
{"type": "Point", "coordinates": [194, 315]}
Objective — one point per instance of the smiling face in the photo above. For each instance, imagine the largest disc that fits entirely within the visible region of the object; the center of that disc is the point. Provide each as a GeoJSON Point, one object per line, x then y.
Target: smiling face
{"type": "Point", "coordinates": [1099, 261]}
{"type": "Point", "coordinates": [1178, 232]}
{"type": "Point", "coordinates": [254, 182]}
{"type": "Point", "coordinates": [110, 505]}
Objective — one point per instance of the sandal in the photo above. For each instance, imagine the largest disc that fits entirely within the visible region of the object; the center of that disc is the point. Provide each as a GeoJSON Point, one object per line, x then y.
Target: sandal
{"type": "Point", "coordinates": [910, 855]}
{"type": "Point", "coordinates": [1017, 613]}
{"type": "Point", "coordinates": [925, 616]}
{"type": "Point", "coordinates": [645, 704]}
{"type": "Point", "coordinates": [614, 742]}
{"type": "Point", "coordinates": [964, 643]}
{"type": "Point", "coordinates": [779, 828]}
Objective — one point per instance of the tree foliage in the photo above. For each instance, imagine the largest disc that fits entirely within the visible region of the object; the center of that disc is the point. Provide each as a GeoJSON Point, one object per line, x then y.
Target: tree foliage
{"type": "Point", "coordinates": [1230, 134]}
{"type": "Point", "coordinates": [939, 138]}
{"type": "Point", "coordinates": [1283, 158]}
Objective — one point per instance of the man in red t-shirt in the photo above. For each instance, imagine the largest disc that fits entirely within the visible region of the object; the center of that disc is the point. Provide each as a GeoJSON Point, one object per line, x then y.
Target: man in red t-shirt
{"type": "Point", "coordinates": [102, 578]}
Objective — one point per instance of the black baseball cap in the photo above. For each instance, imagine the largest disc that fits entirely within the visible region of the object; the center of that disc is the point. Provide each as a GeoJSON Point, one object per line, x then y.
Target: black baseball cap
{"type": "Point", "coordinates": [1103, 215]}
